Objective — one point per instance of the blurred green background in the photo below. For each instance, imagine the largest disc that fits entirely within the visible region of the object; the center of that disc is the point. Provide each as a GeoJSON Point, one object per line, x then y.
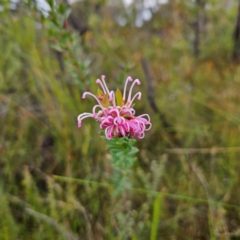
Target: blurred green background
{"type": "Point", "coordinates": [55, 179]}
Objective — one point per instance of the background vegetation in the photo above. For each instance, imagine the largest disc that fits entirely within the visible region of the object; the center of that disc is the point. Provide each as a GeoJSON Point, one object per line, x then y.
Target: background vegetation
{"type": "Point", "coordinates": [56, 179]}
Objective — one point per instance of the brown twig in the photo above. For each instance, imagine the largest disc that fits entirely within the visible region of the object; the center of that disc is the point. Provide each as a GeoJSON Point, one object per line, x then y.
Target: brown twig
{"type": "Point", "coordinates": [150, 93]}
{"type": "Point", "coordinates": [149, 78]}
{"type": "Point", "coordinates": [201, 178]}
{"type": "Point", "coordinates": [40, 216]}
{"type": "Point", "coordinates": [212, 150]}
{"type": "Point", "coordinates": [150, 96]}
{"type": "Point", "coordinates": [236, 38]}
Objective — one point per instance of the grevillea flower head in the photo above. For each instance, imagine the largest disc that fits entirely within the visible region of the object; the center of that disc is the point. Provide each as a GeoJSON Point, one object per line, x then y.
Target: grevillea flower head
{"type": "Point", "coordinates": [115, 113]}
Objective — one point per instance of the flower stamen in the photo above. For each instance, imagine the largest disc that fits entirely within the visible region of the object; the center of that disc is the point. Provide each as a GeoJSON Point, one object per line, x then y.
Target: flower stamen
{"type": "Point", "coordinates": [88, 93]}
{"type": "Point", "coordinates": [139, 95]}
{"type": "Point", "coordinates": [136, 81]}
{"type": "Point", "coordinates": [129, 79]}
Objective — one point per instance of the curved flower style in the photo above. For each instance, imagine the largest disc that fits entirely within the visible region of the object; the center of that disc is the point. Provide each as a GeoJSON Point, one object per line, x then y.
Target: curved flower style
{"type": "Point", "coordinates": [115, 113]}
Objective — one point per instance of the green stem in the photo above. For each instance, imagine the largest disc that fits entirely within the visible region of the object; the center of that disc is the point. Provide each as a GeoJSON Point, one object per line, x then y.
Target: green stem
{"type": "Point", "coordinates": [123, 153]}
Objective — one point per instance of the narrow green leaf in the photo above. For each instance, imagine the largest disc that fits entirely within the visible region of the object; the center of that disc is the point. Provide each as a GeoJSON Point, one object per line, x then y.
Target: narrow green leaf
{"type": "Point", "coordinates": [51, 3]}
{"type": "Point", "coordinates": [119, 97]}
{"type": "Point", "coordinates": [157, 208]}
{"type": "Point", "coordinates": [67, 12]}
{"type": "Point", "coordinates": [100, 92]}
{"type": "Point", "coordinates": [105, 101]}
{"type": "Point", "coordinates": [56, 47]}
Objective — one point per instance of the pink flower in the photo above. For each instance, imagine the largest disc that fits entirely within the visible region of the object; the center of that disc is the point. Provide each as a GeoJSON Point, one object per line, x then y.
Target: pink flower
{"type": "Point", "coordinates": [115, 113]}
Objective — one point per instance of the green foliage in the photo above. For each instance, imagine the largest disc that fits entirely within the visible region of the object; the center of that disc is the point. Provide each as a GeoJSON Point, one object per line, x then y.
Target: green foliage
{"type": "Point", "coordinates": [8, 226]}
{"type": "Point", "coordinates": [123, 153]}
{"type": "Point", "coordinates": [123, 156]}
